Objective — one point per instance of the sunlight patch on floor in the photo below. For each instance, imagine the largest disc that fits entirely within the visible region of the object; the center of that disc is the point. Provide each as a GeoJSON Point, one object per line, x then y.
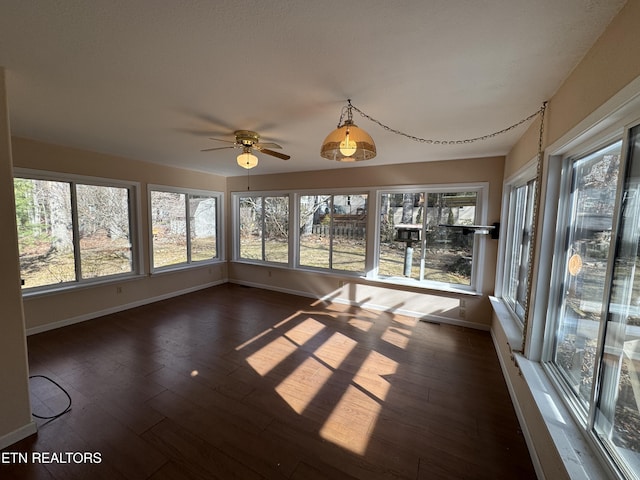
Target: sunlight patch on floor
{"type": "Point", "coordinates": [397, 336]}
{"type": "Point", "coordinates": [304, 331]}
{"type": "Point", "coordinates": [371, 375]}
{"type": "Point", "coordinates": [253, 339]}
{"type": "Point", "coordinates": [351, 421]}
{"type": "Point", "coordinates": [304, 383]}
{"type": "Point", "coordinates": [271, 355]}
{"type": "Point", "coordinates": [360, 324]}
{"type": "Point", "coordinates": [335, 349]}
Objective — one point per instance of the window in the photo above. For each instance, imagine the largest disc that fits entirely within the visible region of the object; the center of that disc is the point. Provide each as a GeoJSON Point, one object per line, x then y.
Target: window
{"type": "Point", "coordinates": [518, 242]}
{"type": "Point", "coordinates": [177, 241]}
{"type": "Point", "coordinates": [617, 419]}
{"type": "Point", "coordinates": [422, 235]}
{"type": "Point", "coordinates": [72, 231]}
{"type": "Point", "coordinates": [264, 228]}
{"type": "Point", "coordinates": [332, 232]}
{"type": "Point", "coordinates": [595, 339]}
{"type": "Point", "coordinates": [104, 226]}
{"type": "Point", "coordinates": [582, 253]}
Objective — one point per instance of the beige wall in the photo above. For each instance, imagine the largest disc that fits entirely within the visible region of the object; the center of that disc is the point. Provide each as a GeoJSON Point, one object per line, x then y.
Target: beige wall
{"type": "Point", "coordinates": [611, 64]}
{"type": "Point", "coordinates": [420, 302]}
{"type": "Point", "coordinates": [15, 412]}
{"type": "Point", "coordinates": [49, 310]}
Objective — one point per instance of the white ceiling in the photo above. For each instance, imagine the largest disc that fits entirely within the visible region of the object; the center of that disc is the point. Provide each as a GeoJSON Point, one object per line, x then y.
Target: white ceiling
{"type": "Point", "coordinates": [153, 80]}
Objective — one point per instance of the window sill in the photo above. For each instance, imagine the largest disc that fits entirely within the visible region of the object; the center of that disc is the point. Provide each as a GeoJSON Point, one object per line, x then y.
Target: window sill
{"type": "Point", "coordinates": [512, 328]}
{"type": "Point", "coordinates": [427, 285]}
{"type": "Point", "coordinates": [580, 460]}
{"type": "Point", "coordinates": [75, 286]}
{"type": "Point", "coordinates": [399, 283]}
{"type": "Point", "coordinates": [185, 266]}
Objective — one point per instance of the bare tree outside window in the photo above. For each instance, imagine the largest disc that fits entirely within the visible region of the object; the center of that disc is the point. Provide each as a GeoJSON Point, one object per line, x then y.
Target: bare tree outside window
{"type": "Point", "coordinates": [45, 232]}
{"type": "Point", "coordinates": [103, 224]}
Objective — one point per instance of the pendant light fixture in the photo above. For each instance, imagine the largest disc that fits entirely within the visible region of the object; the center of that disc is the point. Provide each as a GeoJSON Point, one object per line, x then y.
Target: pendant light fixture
{"type": "Point", "coordinates": [348, 142]}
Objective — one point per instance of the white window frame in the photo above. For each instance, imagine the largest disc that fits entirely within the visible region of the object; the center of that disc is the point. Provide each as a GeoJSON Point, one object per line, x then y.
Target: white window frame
{"type": "Point", "coordinates": [508, 234]}
{"type": "Point", "coordinates": [295, 246]}
{"type": "Point", "coordinates": [134, 227]}
{"type": "Point", "coordinates": [372, 242]}
{"type": "Point", "coordinates": [236, 196]}
{"type": "Point", "coordinates": [219, 196]}
{"type": "Point", "coordinates": [479, 244]}
{"type": "Point", "coordinates": [608, 124]}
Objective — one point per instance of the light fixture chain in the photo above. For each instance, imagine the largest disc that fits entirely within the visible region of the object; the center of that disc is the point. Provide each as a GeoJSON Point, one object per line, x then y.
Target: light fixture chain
{"type": "Point", "coordinates": [446, 142]}
{"type": "Point", "coordinates": [533, 234]}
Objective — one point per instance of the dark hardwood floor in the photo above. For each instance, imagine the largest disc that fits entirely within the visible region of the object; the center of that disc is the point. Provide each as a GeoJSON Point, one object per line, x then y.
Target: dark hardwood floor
{"type": "Point", "coordinates": [236, 382]}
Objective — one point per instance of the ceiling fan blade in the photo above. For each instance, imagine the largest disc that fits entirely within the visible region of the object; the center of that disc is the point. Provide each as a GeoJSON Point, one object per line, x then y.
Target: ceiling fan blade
{"type": "Point", "coordinates": [267, 145]}
{"type": "Point", "coordinates": [274, 154]}
{"type": "Point", "coordinates": [216, 148]}
{"type": "Point", "coordinates": [222, 140]}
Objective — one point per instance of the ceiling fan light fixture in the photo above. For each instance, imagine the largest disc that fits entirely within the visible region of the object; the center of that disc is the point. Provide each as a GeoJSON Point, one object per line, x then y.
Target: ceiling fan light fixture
{"type": "Point", "coordinates": [247, 160]}
{"type": "Point", "coordinates": [348, 142]}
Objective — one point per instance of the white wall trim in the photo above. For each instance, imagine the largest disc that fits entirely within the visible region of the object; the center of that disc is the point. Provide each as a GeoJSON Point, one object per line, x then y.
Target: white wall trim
{"type": "Point", "coordinates": [537, 466]}
{"type": "Point", "coordinates": [372, 306]}
{"type": "Point", "coordinates": [17, 435]}
{"type": "Point", "coordinates": [580, 460]}
{"type": "Point", "coordinates": [119, 308]}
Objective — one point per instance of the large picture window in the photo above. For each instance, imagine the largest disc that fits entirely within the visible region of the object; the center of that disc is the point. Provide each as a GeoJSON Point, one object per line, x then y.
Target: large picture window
{"type": "Point", "coordinates": [72, 231]}
{"type": "Point", "coordinates": [332, 232]}
{"type": "Point", "coordinates": [176, 240]}
{"type": "Point", "coordinates": [423, 237]}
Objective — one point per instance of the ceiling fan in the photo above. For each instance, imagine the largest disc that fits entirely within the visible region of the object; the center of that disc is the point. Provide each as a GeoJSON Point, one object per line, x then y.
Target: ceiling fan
{"type": "Point", "coordinates": [248, 140]}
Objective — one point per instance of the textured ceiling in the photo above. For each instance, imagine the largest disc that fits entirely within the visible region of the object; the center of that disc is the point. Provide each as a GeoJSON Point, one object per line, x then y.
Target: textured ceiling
{"type": "Point", "coordinates": [153, 80]}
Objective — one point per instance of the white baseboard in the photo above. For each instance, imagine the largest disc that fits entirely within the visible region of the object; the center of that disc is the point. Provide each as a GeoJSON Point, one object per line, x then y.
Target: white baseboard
{"type": "Point", "coordinates": [275, 289]}
{"type": "Point", "coordinates": [537, 466]}
{"type": "Point", "coordinates": [371, 306]}
{"type": "Point", "coordinates": [119, 308]}
{"type": "Point", "coordinates": [17, 435]}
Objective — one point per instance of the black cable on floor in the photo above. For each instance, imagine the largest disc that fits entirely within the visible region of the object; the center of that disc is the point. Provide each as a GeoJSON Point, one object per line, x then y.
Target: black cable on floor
{"type": "Point", "coordinates": [63, 391]}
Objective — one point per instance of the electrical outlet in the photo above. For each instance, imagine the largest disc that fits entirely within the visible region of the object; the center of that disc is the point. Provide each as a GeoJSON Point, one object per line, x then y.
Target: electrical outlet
{"type": "Point", "coordinates": [118, 289]}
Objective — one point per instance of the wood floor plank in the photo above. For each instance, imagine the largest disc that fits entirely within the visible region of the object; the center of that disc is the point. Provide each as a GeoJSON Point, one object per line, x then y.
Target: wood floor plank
{"type": "Point", "coordinates": [236, 382]}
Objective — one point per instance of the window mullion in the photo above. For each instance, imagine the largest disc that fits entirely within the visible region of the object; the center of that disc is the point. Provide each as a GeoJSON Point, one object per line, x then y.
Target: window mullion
{"type": "Point", "coordinates": [263, 227]}
{"type": "Point", "coordinates": [75, 231]}
{"type": "Point", "coordinates": [187, 209]}
{"type": "Point", "coordinates": [331, 230]}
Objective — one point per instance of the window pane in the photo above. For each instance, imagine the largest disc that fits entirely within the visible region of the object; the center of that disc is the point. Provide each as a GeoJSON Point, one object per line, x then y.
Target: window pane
{"type": "Point", "coordinates": [618, 416]}
{"type": "Point", "coordinates": [251, 228]}
{"type": "Point", "coordinates": [202, 227]}
{"type": "Point", "coordinates": [104, 228]}
{"type": "Point", "coordinates": [449, 251]}
{"type": "Point", "coordinates": [169, 228]}
{"type": "Point", "coordinates": [406, 211]}
{"type": "Point", "coordinates": [586, 247]}
{"type": "Point", "coordinates": [315, 224]}
{"type": "Point", "coordinates": [517, 249]}
{"type": "Point", "coordinates": [349, 222]}
{"type": "Point", "coordinates": [276, 229]}
{"type": "Point", "coordinates": [332, 232]}
{"type": "Point", "coordinates": [45, 232]}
